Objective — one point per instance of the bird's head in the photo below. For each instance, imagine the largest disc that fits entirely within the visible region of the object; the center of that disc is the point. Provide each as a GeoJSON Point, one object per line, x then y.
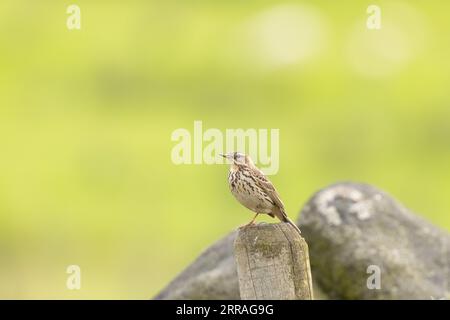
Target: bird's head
{"type": "Point", "coordinates": [238, 158]}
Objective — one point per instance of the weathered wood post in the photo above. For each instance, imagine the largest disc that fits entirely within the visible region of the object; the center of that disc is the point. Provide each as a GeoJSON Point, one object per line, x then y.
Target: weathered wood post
{"type": "Point", "coordinates": [272, 263]}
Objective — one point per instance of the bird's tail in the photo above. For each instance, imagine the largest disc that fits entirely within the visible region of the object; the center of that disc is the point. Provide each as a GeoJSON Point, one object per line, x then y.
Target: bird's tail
{"type": "Point", "coordinates": [293, 224]}
{"type": "Point", "coordinates": [284, 218]}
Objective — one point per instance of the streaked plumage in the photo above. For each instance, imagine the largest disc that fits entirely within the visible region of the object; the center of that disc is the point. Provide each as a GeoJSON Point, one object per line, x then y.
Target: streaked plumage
{"type": "Point", "coordinates": [253, 190]}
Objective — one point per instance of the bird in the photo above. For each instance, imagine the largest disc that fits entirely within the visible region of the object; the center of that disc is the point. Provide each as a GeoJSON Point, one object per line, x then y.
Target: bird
{"type": "Point", "coordinates": [253, 190]}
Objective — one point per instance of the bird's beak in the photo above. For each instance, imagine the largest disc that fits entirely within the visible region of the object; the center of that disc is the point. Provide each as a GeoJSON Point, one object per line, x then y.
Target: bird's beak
{"type": "Point", "coordinates": [223, 155]}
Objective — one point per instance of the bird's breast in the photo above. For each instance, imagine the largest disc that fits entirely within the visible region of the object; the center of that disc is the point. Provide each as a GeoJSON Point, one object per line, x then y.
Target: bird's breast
{"type": "Point", "coordinates": [248, 193]}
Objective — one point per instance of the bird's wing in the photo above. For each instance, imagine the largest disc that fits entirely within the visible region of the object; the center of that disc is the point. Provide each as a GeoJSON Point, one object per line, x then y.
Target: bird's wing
{"type": "Point", "coordinates": [268, 187]}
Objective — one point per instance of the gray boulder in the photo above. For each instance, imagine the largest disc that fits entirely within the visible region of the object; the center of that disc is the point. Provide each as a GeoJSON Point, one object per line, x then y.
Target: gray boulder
{"type": "Point", "coordinates": [213, 275]}
{"type": "Point", "coordinates": [355, 231]}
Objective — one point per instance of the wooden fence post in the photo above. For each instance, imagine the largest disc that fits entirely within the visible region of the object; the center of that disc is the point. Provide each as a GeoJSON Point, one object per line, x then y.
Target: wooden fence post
{"type": "Point", "coordinates": [272, 263]}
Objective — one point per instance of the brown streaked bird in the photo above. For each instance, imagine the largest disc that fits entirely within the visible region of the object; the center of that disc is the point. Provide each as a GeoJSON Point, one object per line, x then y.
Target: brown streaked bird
{"type": "Point", "coordinates": [253, 190]}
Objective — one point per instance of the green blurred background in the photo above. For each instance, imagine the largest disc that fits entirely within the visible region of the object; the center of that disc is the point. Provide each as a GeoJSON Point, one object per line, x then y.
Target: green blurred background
{"type": "Point", "coordinates": [86, 116]}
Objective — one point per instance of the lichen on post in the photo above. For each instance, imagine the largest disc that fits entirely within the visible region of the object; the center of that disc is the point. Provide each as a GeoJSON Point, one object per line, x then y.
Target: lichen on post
{"type": "Point", "coordinates": [272, 263]}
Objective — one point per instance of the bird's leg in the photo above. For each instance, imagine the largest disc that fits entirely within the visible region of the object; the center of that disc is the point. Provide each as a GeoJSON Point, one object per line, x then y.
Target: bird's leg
{"type": "Point", "coordinates": [250, 223]}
